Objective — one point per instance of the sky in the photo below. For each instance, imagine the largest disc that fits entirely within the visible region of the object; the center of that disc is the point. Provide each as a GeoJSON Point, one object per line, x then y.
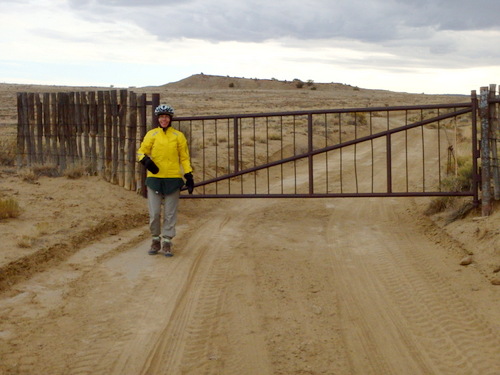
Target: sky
{"type": "Point", "coordinates": [418, 46]}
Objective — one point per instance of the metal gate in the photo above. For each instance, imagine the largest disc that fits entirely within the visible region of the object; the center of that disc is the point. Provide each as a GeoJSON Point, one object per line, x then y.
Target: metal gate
{"type": "Point", "coordinates": [355, 152]}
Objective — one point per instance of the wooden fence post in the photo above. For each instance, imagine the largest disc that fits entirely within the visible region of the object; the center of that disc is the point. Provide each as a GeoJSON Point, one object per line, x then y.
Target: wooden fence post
{"type": "Point", "coordinates": [122, 133]}
{"type": "Point", "coordinates": [53, 129]}
{"type": "Point", "coordinates": [22, 126]}
{"type": "Point", "coordinates": [30, 131]}
{"type": "Point", "coordinates": [131, 142]}
{"type": "Point", "coordinates": [100, 133]}
{"type": "Point", "coordinates": [142, 132]}
{"type": "Point", "coordinates": [155, 102]}
{"type": "Point", "coordinates": [93, 131]}
{"type": "Point", "coordinates": [78, 125]}
{"type": "Point", "coordinates": [485, 153]}
{"type": "Point", "coordinates": [72, 129]}
{"type": "Point", "coordinates": [108, 128]}
{"type": "Point", "coordinates": [114, 137]}
{"type": "Point", "coordinates": [49, 157]}
{"type": "Point", "coordinates": [60, 130]}
{"type": "Point", "coordinates": [493, 137]}
{"type": "Point", "coordinates": [85, 128]}
{"type": "Point", "coordinates": [39, 129]}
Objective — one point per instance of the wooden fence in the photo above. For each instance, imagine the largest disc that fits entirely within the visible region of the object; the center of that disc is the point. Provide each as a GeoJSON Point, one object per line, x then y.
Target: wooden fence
{"type": "Point", "coordinates": [99, 131]}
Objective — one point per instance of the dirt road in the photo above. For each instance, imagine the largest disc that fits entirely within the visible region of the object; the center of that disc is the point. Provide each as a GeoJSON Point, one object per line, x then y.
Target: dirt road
{"type": "Point", "coordinates": [260, 287]}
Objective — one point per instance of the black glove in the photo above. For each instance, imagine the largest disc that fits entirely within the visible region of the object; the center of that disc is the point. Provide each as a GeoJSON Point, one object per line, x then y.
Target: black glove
{"type": "Point", "coordinates": [150, 164]}
{"type": "Point", "coordinates": [189, 182]}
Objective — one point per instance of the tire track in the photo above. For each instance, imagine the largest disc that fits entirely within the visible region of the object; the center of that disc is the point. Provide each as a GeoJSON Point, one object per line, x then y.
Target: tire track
{"type": "Point", "coordinates": [193, 322]}
{"type": "Point", "coordinates": [68, 315]}
{"type": "Point", "coordinates": [456, 336]}
{"type": "Point", "coordinates": [395, 286]}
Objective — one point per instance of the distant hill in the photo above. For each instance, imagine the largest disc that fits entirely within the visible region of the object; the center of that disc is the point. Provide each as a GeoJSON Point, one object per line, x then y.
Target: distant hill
{"type": "Point", "coordinates": [203, 81]}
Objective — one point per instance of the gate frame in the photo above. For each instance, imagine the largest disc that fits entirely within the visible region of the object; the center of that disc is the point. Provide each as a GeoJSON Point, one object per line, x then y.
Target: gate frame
{"type": "Point", "coordinates": [467, 107]}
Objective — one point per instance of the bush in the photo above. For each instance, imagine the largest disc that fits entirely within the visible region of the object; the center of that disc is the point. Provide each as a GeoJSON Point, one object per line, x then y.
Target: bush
{"type": "Point", "coordinates": [48, 170]}
{"type": "Point", "coordinates": [76, 171]}
{"type": "Point", "coordinates": [462, 181]}
{"type": "Point", "coordinates": [27, 175]}
{"type": "Point", "coordinates": [8, 148]}
{"type": "Point", "coordinates": [9, 208]}
{"type": "Point", "coordinates": [298, 83]}
{"type": "Point", "coordinates": [275, 137]}
{"type": "Point", "coordinates": [32, 174]}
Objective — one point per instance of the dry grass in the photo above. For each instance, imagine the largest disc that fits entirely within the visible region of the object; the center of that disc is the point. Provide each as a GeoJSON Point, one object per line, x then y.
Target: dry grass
{"type": "Point", "coordinates": [73, 171]}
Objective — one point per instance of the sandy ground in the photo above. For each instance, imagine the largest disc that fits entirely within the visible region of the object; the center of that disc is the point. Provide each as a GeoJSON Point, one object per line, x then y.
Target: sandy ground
{"type": "Point", "coordinates": [354, 287]}
{"type": "Point", "coordinates": [291, 286]}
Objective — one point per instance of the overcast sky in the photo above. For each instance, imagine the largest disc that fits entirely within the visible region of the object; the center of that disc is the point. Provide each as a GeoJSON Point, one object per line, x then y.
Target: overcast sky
{"type": "Point", "coordinates": [431, 46]}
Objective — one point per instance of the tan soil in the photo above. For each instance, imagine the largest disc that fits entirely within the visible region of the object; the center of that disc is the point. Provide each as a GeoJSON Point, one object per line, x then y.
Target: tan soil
{"type": "Point", "coordinates": [256, 286]}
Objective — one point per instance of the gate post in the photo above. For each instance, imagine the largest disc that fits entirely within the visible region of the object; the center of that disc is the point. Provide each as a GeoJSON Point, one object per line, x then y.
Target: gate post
{"type": "Point", "coordinates": [155, 102]}
{"type": "Point", "coordinates": [493, 139]}
{"type": "Point", "coordinates": [485, 152]}
{"type": "Point", "coordinates": [476, 179]}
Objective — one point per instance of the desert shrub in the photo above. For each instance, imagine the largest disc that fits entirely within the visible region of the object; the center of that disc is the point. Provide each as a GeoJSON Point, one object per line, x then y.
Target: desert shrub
{"type": "Point", "coordinates": [32, 174]}
{"type": "Point", "coordinates": [298, 83]}
{"type": "Point", "coordinates": [361, 118]}
{"type": "Point", "coordinates": [461, 181]}
{"type": "Point", "coordinates": [275, 137]}
{"type": "Point", "coordinates": [27, 175]}
{"type": "Point", "coordinates": [25, 242]}
{"type": "Point", "coordinates": [259, 139]}
{"type": "Point", "coordinates": [9, 208]}
{"type": "Point", "coordinates": [76, 171]}
{"type": "Point", "coordinates": [42, 228]}
{"type": "Point", "coordinates": [48, 170]}
{"type": "Point", "coordinates": [358, 118]}
{"type": "Point", "coordinates": [7, 151]}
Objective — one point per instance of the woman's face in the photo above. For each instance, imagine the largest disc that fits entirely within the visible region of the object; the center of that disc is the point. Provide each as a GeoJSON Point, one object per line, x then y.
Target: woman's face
{"type": "Point", "coordinates": [164, 120]}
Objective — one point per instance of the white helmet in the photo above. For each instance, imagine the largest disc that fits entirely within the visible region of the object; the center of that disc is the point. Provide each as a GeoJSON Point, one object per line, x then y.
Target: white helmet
{"type": "Point", "coordinates": [164, 109]}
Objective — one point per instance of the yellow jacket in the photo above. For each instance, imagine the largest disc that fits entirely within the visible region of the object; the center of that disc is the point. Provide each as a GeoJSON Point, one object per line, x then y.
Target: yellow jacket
{"type": "Point", "coordinates": [169, 150]}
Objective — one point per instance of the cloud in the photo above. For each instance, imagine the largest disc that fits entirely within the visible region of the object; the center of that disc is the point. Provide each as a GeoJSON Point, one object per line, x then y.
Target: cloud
{"type": "Point", "coordinates": [260, 20]}
{"type": "Point", "coordinates": [431, 31]}
{"type": "Point", "coordinates": [324, 40]}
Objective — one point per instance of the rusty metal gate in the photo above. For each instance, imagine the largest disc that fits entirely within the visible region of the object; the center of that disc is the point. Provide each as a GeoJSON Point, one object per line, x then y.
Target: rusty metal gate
{"type": "Point", "coordinates": [355, 152]}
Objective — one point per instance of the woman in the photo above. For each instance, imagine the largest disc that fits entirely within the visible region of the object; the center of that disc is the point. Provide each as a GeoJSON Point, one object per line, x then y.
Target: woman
{"type": "Point", "coordinates": [164, 152]}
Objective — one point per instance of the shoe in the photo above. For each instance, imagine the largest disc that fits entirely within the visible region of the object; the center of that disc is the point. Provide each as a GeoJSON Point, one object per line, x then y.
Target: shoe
{"type": "Point", "coordinates": [167, 249]}
{"type": "Point", "coordinates": [155, 247]}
